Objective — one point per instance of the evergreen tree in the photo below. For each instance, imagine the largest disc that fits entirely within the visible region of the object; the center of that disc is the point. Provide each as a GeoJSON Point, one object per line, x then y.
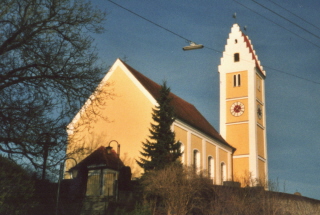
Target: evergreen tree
{"type": "Point", "coordinates": [161, 149]}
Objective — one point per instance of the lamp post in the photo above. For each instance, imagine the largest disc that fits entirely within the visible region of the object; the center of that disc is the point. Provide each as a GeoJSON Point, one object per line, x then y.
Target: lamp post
{"type": "Point", "coordinates": [59, 181]}
{"type": "Point", "coordinates": [118, 153]}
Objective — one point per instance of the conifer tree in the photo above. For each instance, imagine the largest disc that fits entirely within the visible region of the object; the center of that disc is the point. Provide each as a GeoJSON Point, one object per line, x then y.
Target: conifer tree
{"type": "Point", "coordinates": [161, 148]}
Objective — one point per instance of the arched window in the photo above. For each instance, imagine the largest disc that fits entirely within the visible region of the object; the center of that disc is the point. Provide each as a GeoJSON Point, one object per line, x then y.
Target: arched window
{"type": "Point", "coordinates": [196, 159]}
{"type": "Point", "coordinates": [210, 167]}
{"type": "Point", "coordinates": [223, 172]}
{"type": "Point", "coordinates": [182, 153]}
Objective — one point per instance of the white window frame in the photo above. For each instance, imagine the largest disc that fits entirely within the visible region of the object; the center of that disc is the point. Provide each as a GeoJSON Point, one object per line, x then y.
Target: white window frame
{"type": "Point", "coordinates": [182, 149]}
{"type": "Point", "coordinates": [223, 169]}
{"type": "Point", "coordinates": [210, 167]}
{"type": "Point", "coordinates": [196, 160]}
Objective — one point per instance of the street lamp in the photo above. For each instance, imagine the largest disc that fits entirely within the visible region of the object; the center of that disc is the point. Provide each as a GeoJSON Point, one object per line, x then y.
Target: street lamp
{"type": "Point", "coordinates": [118, 167]}
{"type": "Point", "coordinates": [109, 148]}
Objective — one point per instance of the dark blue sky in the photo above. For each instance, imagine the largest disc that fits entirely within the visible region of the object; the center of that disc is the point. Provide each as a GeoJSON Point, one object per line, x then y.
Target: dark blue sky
{"type": "Point", "coordinates": [290, 57]}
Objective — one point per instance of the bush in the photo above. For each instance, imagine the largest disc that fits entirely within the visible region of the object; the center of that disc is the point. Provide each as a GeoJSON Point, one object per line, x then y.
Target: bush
{"type": "Point", "coordinates": [179, 189]}
{"type": "Point", "coordinates": [17, 189]}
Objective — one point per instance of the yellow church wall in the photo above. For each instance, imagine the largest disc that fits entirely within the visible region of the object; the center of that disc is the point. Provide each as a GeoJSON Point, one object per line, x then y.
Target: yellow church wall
{"type": "Point", "coordinates": [182, 136]}
{"type": "Point", "coordinates": [196, 143]}
{"type": "Point", "coordinates": [262, 171]}
{"type": "Point", "coordinates": [223, 155]}
{"type": "Point", "coordinates": [244, 117]}
{"type": "Point", "coordinates": [240, 173]}
{"type": "Point", "coordinates": [128, 116]}
{"type": "Point", "coordinates": [259, 88]}
{"type": "Point", "coordinates": [238, 91]}
{"type": "Point", "coordinates": [211, 151]}
{"type": "Point", "coordinates": [260, 137]}
{"type": "Point", "coordinates": [238, 137]}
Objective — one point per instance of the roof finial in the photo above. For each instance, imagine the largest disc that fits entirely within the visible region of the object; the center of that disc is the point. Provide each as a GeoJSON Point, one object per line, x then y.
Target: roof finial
{"type": "Point", "coordinates": [235, 17]}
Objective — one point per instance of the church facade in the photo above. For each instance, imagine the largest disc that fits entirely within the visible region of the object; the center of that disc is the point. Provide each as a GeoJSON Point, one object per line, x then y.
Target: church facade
{"type": "Point", "coordinates": [119, 111]}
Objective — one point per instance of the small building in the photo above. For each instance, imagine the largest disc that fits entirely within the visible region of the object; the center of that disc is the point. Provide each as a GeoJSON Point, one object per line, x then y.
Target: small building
{"type": "Point", "coordinates": [97, 182]}
{"type": "Point", "coordinates": [101, 174]}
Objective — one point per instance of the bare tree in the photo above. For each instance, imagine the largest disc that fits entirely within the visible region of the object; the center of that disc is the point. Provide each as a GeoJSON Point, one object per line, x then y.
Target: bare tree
{"type": "Point", "coordinates": [47, 67]}
{"type": "Point", "coordinates": [180, 189]}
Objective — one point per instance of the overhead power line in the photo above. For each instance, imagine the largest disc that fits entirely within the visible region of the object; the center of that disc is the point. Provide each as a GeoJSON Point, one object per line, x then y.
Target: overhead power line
{"type": "Point", "coordinates": [148, 20]}
{"type": "Point", "coordinates": [277, 70]}
{"type": "Point", "coordinates": [277, 24]}
{"type": "Point", "coordinates": [295, 15]}
{"type": "Point", "coordinates": [286, 19]}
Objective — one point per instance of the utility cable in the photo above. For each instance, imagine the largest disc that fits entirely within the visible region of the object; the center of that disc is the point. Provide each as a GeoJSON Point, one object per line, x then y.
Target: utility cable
{"type": "Point", "coordinates": [218, 50]}
{"type": "Point", "coordinates": [276, 24]}
{"type": "Point", "coordinates": [286, 19]}
{"type": "Point", "coordinates": [295, 15]}
{"type": "Point", "coordinates": [130, 11]}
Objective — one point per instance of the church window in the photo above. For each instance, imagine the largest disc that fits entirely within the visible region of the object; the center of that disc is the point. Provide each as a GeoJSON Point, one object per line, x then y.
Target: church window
{"type": "Point", "coordinates": [210, 167]}
{"type": "Point", "coordinates": [237, 80]}
{"type": "Point", "coordinates": [223, 172]}
{"type": "Point", "coordinates": [182, 153]}
{"type": "Point", "coordinates": [236, 57]}
{"type": "Point", "coordinates": [196, 159]}
{"type": "Point", "coordinates": [236, 41]}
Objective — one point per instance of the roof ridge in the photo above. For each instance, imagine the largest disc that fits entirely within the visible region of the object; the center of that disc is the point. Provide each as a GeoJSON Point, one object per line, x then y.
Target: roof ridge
{"type": "Point", "coordinates": [184, 110]}
{"type": "Point", "coordinates": [253, 52]}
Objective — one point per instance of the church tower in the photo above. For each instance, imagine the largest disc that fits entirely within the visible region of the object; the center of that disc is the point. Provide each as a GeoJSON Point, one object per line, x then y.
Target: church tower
{"type": "Point", "coordinates": [242, 108]}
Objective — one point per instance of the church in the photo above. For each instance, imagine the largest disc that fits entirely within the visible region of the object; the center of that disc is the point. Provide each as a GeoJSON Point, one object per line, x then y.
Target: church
{"type": "Point", "coordinates": [118, 113]}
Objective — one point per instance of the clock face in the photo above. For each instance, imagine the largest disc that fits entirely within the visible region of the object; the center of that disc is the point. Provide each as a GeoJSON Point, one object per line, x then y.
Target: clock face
{"type": "Point", "coordinates": [259, 111]}
{"type": "Point", "coordinates": [237, 109]}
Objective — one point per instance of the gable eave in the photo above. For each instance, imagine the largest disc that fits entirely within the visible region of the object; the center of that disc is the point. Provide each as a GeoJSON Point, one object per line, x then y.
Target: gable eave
{"type": "Point", "coordinates": [104, 81]}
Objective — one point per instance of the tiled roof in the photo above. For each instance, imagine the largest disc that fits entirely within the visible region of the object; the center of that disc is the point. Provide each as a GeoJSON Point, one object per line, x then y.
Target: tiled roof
{"type": "Point", "coordinates": [101, 157]}
{"type": "Point", "coordinates": [184, 111]}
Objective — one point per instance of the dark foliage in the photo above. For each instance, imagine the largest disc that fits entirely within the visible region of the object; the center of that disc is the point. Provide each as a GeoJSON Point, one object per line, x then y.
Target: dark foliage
{"type": "Point", "coordinates": [16, 189]}
{"type": "Point", "coordinates": [47, 67]}
{"type": "Point", "coordinates": [161, 149]}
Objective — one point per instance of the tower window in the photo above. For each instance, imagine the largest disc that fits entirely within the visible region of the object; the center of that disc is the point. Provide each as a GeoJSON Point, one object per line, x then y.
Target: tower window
{"type": "Point", "coordinates": [237, 80]}
{"type": "Point", "coordinates": [236, 41]}
{"type": "Point", "coordinates": [236, 57]}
